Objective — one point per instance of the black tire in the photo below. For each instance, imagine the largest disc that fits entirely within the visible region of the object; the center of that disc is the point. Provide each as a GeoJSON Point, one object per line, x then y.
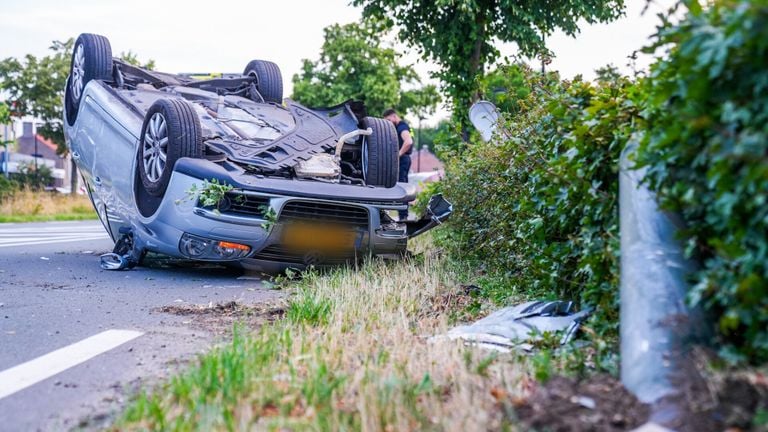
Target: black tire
{"type": "Point", "coordinates": [95, 63]}
{"type": "Point", "coordinates": [183, 138]}
{"type": "Point", "coordinates": [269, 80]}
{"type": "Point", "coordinates": [379, 160]}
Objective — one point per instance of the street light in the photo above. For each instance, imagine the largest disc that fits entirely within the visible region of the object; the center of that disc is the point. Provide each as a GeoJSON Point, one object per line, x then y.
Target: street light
{"type": "Point", "coordinates": [418, 147]}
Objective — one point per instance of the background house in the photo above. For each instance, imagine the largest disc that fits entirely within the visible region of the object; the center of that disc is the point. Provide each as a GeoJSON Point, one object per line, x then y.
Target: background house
{"type": "Point", "coordinates": [32, 148]}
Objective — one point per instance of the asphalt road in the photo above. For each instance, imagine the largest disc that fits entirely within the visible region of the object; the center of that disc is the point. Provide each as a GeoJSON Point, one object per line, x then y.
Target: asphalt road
{"type": "Point", "coordinates": [54, 296]}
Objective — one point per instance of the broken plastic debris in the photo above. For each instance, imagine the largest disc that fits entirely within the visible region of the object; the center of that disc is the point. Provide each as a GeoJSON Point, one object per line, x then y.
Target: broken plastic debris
{"type": "Point", "coordinates": [113, 261]}
{"type": "Point", "coordinates": [584, 401]}
{"type": "Point", "coordinates": [514, 326]}
{"type": "Point", "coordinates": [651, 427]}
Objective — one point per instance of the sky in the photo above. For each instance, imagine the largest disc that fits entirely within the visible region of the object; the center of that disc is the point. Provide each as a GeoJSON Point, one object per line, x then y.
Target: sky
{"type": "Point", "coordinates": [222, 36]}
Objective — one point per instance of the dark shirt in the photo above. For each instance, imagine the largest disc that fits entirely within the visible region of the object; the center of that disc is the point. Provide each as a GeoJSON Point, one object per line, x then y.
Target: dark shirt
{"type": "Point", "coordinates": [402, 126]}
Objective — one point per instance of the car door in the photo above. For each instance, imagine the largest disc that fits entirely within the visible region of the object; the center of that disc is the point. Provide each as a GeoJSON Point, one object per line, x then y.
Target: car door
{"type": "Point", "coordinates": [83, 139]}
{"type": "Point", "coordinates": [114, 158]}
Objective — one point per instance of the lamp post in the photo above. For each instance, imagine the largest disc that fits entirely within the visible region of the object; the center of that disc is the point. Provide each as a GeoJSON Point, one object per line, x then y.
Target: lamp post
{"type": "Point", "coordinates": [4, 162]}
{"type": "Point", "coordinates": [34, 137]}
{"type": "Point", "coordinates": [418, 147]}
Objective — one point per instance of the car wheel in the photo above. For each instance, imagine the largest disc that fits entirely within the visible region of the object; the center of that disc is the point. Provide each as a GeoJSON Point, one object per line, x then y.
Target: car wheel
{"type": "Point", "coordinates": [171, 131]}
{"type": "Point", "coordinates": [91, 59]}
{"type": "Point", "coordinates": [379, 153]}
{"type": "Point", "coordinates": [269, 80]}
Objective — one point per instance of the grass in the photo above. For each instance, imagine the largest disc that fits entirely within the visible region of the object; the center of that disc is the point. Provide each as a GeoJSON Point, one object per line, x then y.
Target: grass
{"type": "Point", "coordinates": [34, 206]}
{"type": "Point", "coordinates": [351, 354]}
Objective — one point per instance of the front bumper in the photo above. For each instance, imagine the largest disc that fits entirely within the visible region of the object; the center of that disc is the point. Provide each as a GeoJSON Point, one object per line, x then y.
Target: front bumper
{"type": "Point", "coordinates": [258, 222]}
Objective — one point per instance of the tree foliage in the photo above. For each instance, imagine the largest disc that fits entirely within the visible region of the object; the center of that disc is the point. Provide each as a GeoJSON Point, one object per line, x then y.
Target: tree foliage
{"type": "Point", "coordinates": [5, 113]}
{"type": "Point", "coordinates": [505, 86]}
{"type": "Point", "coordinates": [706, 149]}
{"type": "Point", "coordinates": [430, 136]}
{"type": "Point", "coordinates": [35, 87]}
{"type": "Point", "coordinates": [132, 58]}
{"type": "Point", "coordinates": [353, 64]}
{"type": "Point", "coordinates": [459, 35]}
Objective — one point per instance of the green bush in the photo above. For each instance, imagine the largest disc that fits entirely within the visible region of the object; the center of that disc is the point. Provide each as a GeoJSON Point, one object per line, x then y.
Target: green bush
{"type": "Point", "coordinates": [706, 148]}
{"type": "Point", "coordinates": [537, 208]}
{"type": "Point", "coordinates": [7, 187]}
{"type": "Point", "coordinates": [33, 178]}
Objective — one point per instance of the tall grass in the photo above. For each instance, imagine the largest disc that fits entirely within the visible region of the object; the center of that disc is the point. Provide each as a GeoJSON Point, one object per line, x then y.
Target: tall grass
{"type": "Point", "coordinates": [27, 206]}
{"type": "Point", "coordinates": [352, 354]}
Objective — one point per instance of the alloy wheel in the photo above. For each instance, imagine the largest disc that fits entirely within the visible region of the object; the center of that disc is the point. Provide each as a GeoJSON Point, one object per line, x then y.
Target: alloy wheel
{"type": "Point", "coordinates": [78, 72]}
{"type": "Point", "coordinates": [155, 149]}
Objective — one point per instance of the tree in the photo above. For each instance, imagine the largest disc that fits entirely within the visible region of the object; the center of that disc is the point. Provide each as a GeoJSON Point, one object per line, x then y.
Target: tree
{"type": "Point", "coordinates": [458, 35]}
{"type": "Point", "coordinates": [429, 136]}
{"type": "Point", "coordinates": [132, 58]}
{"type": "Point", "coordinates": [506, 87]}
{"type": "Point", "coordinates": [353, 64]}
{"type": "Point", "coordinates": [35, 87]}
{"type": "Point", "coordinates": [5, 113]}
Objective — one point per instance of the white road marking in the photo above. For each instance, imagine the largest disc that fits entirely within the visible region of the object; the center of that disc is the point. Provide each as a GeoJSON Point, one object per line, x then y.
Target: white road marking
{"type": "Point", "coordinates": [26, 374]}
{"type": "Point", "coordinates": [39, 242]}
{"type": "Point", "coordinates": [30, 236]}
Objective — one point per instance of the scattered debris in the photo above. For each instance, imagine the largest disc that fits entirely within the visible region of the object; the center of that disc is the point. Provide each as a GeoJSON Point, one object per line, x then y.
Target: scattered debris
{"type": "Point", "coordinates": [455, 301]}
{"type": "Point", "coordinates": [584, 401]}
{"type": "Point", "coordinates": [515, 326]}
{"type": "Point", "coordinates": [651, 427]}
{"type": "Point", "coordinates": [251, 276]}
{"type": "Point", "coordinates": [45, 258]}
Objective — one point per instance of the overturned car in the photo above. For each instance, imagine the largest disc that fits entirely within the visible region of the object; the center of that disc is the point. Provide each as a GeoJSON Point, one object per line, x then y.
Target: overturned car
{"type": "Point", "coordinates": [222, 169]}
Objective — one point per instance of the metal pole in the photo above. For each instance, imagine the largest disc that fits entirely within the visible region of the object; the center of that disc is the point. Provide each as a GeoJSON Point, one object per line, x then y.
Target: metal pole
{"type": "Point", "coordinates": [34, 137]}
{"type": "Point", "coordinates": [5, 151]}
{"type": "Point", "coordinates": [657, 328]}
{"type": "Point", "coordinates": [5, 159]}
{"type": "Point", "coordinates": [418, 148]}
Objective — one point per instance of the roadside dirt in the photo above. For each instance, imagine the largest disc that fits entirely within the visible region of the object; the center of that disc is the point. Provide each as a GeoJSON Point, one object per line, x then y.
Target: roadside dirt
{"type": "Point", "coordinates": [729, 402]}
{"type": "Point", "coordinates": [599, 403]}
{"type": "Point", "coordinates": [219, 318]}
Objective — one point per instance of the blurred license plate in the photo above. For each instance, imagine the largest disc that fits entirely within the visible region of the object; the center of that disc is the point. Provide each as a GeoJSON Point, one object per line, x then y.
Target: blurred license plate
{"type": "Point", "coordinates": [307, 237]}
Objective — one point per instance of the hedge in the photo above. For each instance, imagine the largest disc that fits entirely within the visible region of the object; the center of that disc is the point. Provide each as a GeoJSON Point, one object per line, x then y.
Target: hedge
{"type": "Point", "coordinates": [537, 207]}
{"type": "Point", "coordinates": [706, 146]}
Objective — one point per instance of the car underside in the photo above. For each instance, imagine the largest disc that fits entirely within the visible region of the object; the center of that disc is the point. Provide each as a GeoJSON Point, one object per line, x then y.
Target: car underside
{"type": "Point", "coordinates": [224, 169]}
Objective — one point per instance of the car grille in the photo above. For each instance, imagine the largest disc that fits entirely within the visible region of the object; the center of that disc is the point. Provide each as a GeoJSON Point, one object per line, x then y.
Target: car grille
{"type": "Point", "coordinates": [242, 204]}
{"type": "Point", "coordinates": [278, 253]}
{"type": "Point", "coordinates": [312, 211]}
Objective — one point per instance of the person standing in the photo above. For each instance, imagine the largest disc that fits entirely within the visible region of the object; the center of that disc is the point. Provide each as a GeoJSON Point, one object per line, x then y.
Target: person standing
{"type": "Point", "coordinates": [405, 144]}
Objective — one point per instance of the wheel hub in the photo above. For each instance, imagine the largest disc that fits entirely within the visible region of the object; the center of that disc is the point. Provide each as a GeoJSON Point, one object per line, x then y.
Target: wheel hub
{"type": "Point", "coordinates": [78, 72]}
{"type": "Point", "coordinates": [155, 147]}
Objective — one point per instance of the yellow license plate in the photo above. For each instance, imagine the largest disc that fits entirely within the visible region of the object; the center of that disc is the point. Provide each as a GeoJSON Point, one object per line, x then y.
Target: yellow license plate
{"type": "Point", "coordinates": [309, 237]}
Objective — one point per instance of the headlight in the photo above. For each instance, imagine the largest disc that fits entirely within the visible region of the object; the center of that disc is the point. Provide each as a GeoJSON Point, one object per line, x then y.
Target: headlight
{"type": "Point", "coordinates": [208, 249]}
